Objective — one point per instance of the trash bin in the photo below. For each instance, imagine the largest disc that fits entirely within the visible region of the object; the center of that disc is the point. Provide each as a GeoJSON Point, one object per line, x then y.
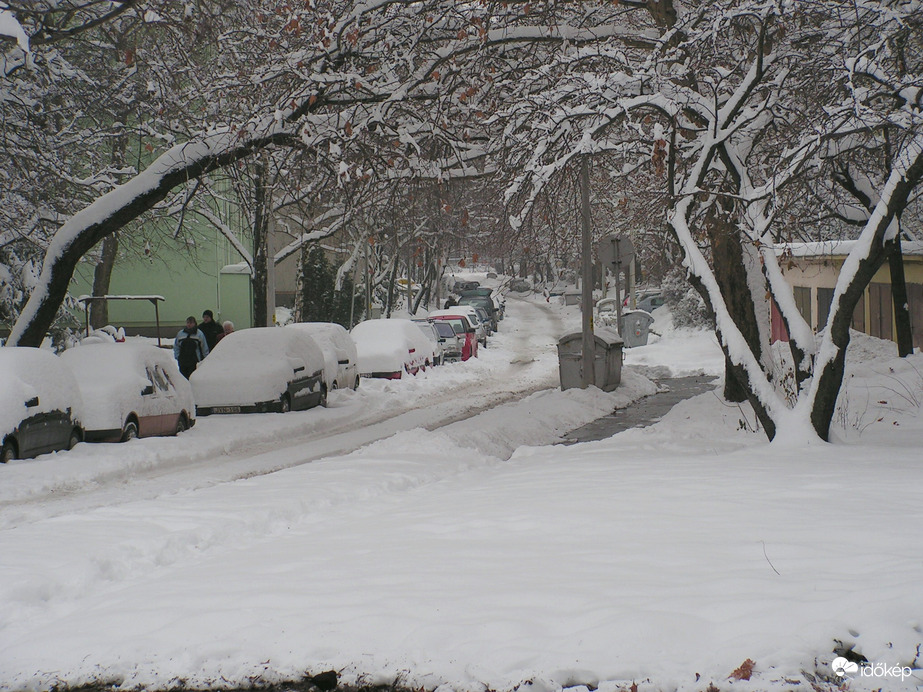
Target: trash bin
{"type": "Point", "coordinates": [607, 361]}
{"type": "Point", "coordinates": [636, 325]}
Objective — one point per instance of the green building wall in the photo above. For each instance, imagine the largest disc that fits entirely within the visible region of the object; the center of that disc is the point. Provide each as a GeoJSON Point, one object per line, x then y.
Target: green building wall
{"type": "Point", "coordinates": [210, 275]}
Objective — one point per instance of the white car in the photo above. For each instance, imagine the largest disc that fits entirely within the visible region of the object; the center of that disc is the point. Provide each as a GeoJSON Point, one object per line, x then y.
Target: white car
{"type": "Point", "coordinates": [129, 390]}
{"type": "Point", "coordinates": [341, 369]}
{"type": "Point", "coordinates": [258, 370]}
{"type": "Point", "coordinates": [428, 329]}
{"type": "Point", "coordinates": [391, 347]}
{"type": "Point", "coordinates": [39, 404]}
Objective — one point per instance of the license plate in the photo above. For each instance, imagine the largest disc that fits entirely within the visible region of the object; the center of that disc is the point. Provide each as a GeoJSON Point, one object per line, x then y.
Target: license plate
{"type": "Point", "coordinates": [226, 409]}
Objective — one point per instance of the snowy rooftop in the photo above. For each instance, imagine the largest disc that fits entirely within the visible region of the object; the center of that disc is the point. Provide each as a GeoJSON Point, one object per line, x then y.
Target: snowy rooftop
{"type": "Point", "coordinates": [837, 248]}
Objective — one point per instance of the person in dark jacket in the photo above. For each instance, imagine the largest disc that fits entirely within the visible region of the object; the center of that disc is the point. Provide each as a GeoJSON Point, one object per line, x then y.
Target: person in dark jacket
{"type": "Point", "coordinates": [210, 329]}
{"type": "Point", "coordinates": [189, 347]}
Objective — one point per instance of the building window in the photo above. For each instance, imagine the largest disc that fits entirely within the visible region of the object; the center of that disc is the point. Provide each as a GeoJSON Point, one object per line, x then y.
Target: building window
{"type": "Point", "coordinates": [880, 311]}
{"type": "Point", "coordinates": [824, 300]}
{"type": "Point", "coordinates": [915, 303]}
{"type": "Point", "coordinates": [803, 301]}
{"type": "Point", "coordinates": [858, 315]}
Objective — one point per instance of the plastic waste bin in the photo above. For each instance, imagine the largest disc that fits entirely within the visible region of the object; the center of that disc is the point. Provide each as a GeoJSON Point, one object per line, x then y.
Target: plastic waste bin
{"type": "Point", "coordinates": [607, 360]}
{"type": "Point", "coordinates": [636, 325]}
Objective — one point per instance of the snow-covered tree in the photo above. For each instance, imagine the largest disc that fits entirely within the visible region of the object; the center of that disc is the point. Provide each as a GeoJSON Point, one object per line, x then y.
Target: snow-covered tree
{"type": "Point", "coordinates": [735, 102]}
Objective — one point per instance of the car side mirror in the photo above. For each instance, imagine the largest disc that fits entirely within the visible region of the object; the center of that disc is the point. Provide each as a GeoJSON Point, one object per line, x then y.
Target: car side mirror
{"type": "Point", "coordinates": [147, 391]}
{"type": "Point", "coordinates": [32, 403]}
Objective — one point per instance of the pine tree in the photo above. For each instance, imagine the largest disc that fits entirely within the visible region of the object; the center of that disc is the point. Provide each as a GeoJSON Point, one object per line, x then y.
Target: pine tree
{"type": "Point", "coordinates": [317, 286]}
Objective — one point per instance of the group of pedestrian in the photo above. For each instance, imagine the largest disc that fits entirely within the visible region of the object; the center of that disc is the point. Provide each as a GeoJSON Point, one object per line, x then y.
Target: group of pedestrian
{"type": "Point", "coordinates": [196, 340]}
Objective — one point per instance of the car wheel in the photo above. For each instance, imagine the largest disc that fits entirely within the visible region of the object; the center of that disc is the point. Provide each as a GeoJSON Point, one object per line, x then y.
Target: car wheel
{"type": "Point", "coordinates": [335, 385]}
{"type": "Point", "coordinates": [181, 424]}
{"type": "Point", "coordinates": [130, 431]}
{"type": "Point", "coordinates": [356, 385]}
{"type": "Point", "coordinates": [286, 403]}
{"type": "Point", "coordinates": [323, 396]}
{"type": "Point", "coordinates": [7, 452]}
{"type": "Point", "coordinates": [74, 439]}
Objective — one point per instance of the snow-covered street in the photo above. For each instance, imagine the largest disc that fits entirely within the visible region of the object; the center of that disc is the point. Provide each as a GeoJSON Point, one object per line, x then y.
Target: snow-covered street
{"type": "Point", "coordinates": [425, 546]}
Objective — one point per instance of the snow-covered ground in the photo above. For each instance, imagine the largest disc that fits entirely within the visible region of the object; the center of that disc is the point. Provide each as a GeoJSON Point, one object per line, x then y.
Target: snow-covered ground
{"type": "Point", "coordinates": [422, 547]}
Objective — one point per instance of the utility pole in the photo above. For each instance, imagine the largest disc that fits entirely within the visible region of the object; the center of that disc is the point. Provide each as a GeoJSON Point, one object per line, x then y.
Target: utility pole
{"type": "Point", "coordinates": [588, 360]}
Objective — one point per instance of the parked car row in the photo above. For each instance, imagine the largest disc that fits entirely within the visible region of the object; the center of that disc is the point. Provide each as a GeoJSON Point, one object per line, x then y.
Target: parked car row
{"type": "Point", "coordinates": [391, 348]}
{"type": "Point", "coordinates": [108, 391]}
{"type": "Point", "coordinates": [103, 391]}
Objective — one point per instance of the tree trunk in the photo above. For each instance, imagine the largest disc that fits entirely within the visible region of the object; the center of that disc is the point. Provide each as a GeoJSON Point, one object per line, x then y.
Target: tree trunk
{"type": "Point", "coordinates": [261, 259]}
{"type": "Point", "coordinates": [391, 282]}
{"type": "Point", "coordinates": [899, 299]}
{"type": "Point", "coordinates": [731, 274]}
{"type": "Point", "coordinates": [99, 309]}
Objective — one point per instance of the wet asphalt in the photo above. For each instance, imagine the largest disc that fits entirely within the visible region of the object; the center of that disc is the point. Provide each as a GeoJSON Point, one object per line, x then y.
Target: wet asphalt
{"type": "Point", "coordinates": [645, 411]}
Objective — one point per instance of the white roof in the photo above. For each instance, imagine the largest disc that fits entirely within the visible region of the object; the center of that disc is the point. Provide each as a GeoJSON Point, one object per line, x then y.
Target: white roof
{"type": "Point", "coordinates": [837, 248]}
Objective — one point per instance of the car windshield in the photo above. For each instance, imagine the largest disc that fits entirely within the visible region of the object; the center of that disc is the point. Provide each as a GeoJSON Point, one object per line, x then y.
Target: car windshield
{"type": "Point", "coordinates": [444, 330]}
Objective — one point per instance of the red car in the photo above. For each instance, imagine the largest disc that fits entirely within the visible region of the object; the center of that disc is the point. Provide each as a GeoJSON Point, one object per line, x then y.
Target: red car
{"type": "Point", "coordinates": [463, 327]}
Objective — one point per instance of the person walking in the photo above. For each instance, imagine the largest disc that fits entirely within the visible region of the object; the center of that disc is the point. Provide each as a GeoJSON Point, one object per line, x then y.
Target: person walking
{"type": "Point", "coordinates": [210, 329]}
{"type": "Point", "coordinates": [189, 347]}
{"type": "Point", "coordinates": [227, 328]}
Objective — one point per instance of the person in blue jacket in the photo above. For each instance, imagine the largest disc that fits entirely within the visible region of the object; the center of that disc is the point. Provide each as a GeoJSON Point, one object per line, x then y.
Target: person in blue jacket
{"type": "Point", "coordinates": [189, 347]}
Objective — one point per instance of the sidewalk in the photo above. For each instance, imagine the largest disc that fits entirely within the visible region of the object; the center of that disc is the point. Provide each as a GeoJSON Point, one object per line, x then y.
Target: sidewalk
{"type": "Point", "coordinates": [644, 412]}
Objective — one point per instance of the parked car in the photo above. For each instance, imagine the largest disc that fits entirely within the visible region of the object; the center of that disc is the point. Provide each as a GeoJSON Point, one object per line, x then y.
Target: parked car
{"type": "Point", "coordinates": [341, 369]}
{"type": "Point", "coordinates": [129, 390]}
{"type": "Point", "coordinates": [258, 370]}
{"type": "Point", "coordinates": [651, 302]}
{"type": "Point", "coordinates": [464, 328]}
{"type": "Point", "coordinates": [391, 347]}
{"type": "Point", "coordinates": [486, 303]}
{"type": "Point", "coordinates": [472, 314]}
{"type": "Point", "coordinates": [465, 286]}
{"type": "Point", "coordinates": [428, 330]}
{"type": "Point", "coordinates": [39, 404]}
{"type": "Point", "coordinates": [451, 343]}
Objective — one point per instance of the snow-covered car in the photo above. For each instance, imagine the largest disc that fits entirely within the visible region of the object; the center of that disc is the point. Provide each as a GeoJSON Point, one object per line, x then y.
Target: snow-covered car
{"type": "Point", "coordinates": [39, 404]}
{"type": "Point", "coordinates": [129, 390]}
{"type": "Point", "coordinates": [341, 367]}
{"type": "Point", "coordinates": [463, 327]}
{"type": "Point", "coordinates": [260, 370]}
{"type": "Point", "coordinates": [428, 329]}
{"type": "Point", "coordinates": [391, 347]}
